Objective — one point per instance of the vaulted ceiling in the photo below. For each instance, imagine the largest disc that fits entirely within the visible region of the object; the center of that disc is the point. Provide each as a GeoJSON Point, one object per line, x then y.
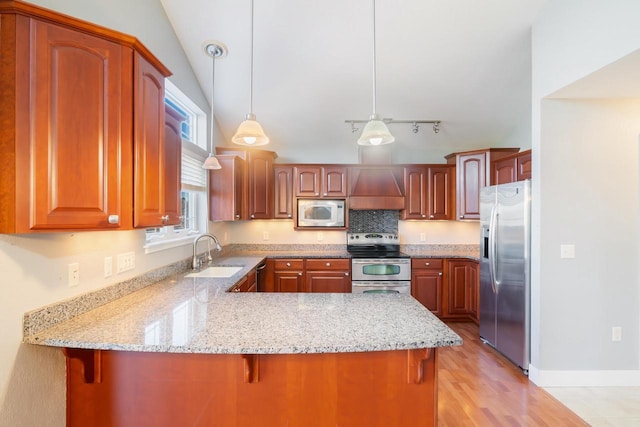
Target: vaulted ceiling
{"type": "Point", "coordinates": [464, 62]}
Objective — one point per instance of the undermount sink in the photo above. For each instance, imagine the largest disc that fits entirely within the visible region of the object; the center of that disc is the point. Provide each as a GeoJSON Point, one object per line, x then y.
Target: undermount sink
{"type": "Point", "coordinates": [217, 271]}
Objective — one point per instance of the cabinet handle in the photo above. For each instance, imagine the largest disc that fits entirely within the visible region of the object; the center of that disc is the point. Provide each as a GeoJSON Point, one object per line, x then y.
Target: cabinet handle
{"type": "Point", "coordinates": [113, 219]}
{"type": "Point", "coordinates": [288, 264]}
{"type": "Point", "coordinates": [164, 218]}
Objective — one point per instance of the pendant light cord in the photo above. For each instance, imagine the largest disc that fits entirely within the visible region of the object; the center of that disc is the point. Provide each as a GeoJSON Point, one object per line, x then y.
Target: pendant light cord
{"type": "Point", "coordinates": [213, 85]}
{"type": "Point", "coordinates": [251, 68]}
{"type": "Point", "coordinates": [374, 57]}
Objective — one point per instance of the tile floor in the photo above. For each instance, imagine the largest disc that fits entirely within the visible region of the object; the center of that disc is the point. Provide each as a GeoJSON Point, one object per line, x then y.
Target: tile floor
{"type": "Point", "coordinates": [602, 406]}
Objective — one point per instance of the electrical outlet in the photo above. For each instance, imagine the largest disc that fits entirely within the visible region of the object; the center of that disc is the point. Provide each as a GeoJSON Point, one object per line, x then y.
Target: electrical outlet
{"type": "Point", "coordinates": [265, 235]}
{"type": "Point", "coordinates": [108, 266]}
{"type": "Point", "coordinates": [126, 261]}
{"type": "Point", "coordinates": [423, 237]}
{"type": "Point", "coordinates": [567, 251]}
{"type": "Point", "coordinates": [616, 333]}
{"type": "Point", "coordinates": [74, 274]}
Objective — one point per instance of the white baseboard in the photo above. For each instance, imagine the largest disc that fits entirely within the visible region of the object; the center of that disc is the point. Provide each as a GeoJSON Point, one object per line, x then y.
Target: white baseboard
{"type": "Point", "coordinates": [543, 378]}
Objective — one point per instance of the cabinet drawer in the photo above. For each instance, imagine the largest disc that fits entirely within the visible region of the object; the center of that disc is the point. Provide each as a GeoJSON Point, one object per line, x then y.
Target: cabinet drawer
{"type": "Point", "coordinates": [431, 263]}
{"type": "Point", "coordinates": [328, 264]}
{"type": "Point", "coordinates": [289, 264]}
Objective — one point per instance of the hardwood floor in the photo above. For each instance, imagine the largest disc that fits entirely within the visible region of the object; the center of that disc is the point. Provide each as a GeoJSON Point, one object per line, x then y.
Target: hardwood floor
{"type": "Point", "coordinates": [477, 386]}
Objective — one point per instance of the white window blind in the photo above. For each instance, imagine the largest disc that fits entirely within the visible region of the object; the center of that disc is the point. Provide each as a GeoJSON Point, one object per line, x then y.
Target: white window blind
{"type": "Point", "coordinates": [194, 177]}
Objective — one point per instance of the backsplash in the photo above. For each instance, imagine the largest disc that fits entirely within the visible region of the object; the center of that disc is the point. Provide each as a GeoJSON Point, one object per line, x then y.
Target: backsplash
{"type": "Point", "coordinates": [381, 221]}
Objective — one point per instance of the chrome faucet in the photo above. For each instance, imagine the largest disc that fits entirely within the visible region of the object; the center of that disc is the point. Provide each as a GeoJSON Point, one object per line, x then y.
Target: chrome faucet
{"type": "Point", "coordinates": [195, 264]}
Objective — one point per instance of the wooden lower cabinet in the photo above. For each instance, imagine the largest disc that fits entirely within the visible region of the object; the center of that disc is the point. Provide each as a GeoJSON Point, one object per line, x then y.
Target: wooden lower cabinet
{"type": "Point", "coordinates": [426, 283]}
{"type": "Point", "coordinates": [461, 299]}
{"type": "Point", "coordinates": [328, 275]}
{"type": "Point", "coordinates": [382, 388]}
{"type": "Point", "coordinates": [288, 275]}
{"type": "Point", "coordinates": [247, 284]}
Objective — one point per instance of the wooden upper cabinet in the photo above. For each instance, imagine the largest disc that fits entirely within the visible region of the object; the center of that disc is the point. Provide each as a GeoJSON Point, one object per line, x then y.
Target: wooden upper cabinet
{"type": "Point", "coordinates": [320, 181]}
{"type": "Point", "coordinates": [283, 191]}
{"type": "Point", "coordinates": [66, 144]}
{"type": "Point", "coordinates": [260, 181]}
{"type": "Point", "coordinates": [473, 170]}
{"type": "Point", "coordinates": [516, 167]}
{"type": "Point", "coordinates": [149, 146]}
{"type": "Point", "coordinates": [66, 154]}
{"type": "Point", "coordinates": [256, 184]}
{"type": "Point", "coordinates": [226, 189]}
{"type": "Point", "coordinates": [429, 192]}
{"type": "Point", "coordinates": [173, 165]}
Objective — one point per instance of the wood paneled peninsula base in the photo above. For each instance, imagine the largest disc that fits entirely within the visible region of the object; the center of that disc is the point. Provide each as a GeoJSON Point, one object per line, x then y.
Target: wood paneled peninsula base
{"type": "Point", "coordinates": [185, 352]}
{"type": "Point", "coordinates": [379, 388]}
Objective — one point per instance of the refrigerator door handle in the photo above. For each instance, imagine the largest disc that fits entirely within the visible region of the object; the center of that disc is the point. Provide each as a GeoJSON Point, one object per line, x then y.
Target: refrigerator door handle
{"type": "Point", "coordinates": [493, 252]}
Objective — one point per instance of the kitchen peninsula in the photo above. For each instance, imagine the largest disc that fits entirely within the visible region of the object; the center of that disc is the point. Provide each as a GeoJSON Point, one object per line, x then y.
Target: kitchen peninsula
{"type": "Point", "coordinates": [184, 351]}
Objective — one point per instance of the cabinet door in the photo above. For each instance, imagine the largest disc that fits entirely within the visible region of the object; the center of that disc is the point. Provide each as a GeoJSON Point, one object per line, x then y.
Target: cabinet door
{"type": "Point", "coordinates": [288, 281]}
{"type": "Point", "coordinates": [415, 184]}
{"type": "Point", "coordinates": [260, 185]}
{"type": "Point", "coordinates": [334, 181]}
{"type": "Point", "coordinates": [457, 288]}
{"type": "Point", "coordinates": [440, 193]}
{"type": "Point", "coordinates": [226, 189]}
{"type": "Point", "coordinates": [283, 192]}
{"type": "Point", "coordinates": [471, 170]}
{"type": "Point", "coordinates": [426, 287]}
{"type": "Point", "coordinates": [173, 165]}
{"type": "Point", "coordinates": [504, 171]}
{"type": "Point", "coordinates": [76, 163]}
{"type": "Point", "coordinates": [308, 180]}
{"type": "Point", "coordinates": [328, 282]}
{"type": "Point", "coordinates": [523, 166]}
{"type": "Point", "coordinates": [149, 145]}
{"type": "Point", "coordinates": [473, 289]}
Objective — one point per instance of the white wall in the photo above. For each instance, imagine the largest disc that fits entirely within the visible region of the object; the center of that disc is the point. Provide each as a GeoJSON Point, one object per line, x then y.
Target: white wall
{"type": "Point", "coordinates": [585, 187]}
{"type": "Point", "coordinates": [34, 267]}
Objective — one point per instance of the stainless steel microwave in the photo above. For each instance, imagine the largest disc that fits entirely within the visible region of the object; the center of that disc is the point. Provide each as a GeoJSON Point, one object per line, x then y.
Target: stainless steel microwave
{"type": "Point", "coordinates": [320, 213]}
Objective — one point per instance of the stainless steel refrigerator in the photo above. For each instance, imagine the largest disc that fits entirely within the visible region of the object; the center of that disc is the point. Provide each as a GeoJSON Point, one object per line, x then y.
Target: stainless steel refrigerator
{"type": "Point", "coordinates": [505, 246]}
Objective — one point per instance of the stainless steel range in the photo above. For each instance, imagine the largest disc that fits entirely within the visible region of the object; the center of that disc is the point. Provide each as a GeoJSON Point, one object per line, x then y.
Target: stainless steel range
{"type": "Point", "coordinates": [377, 265]}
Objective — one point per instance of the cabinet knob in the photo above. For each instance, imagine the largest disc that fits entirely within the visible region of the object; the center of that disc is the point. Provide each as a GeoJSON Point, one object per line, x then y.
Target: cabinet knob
{"type": "Point", "coordinates": [288, 264]}
{"type": "Point", "coordinates": [328, 264]}
{"type": "Point", "coordinates": [461, 216]}
{"type": "Point", "coordinates": [427, 264]}
{"type": "Point", "coordinates": [317, 194]}
{"type": "Point", "coordinates": [236, 290]}
{"type": "Point", "coordinates": [237, 216]}
{"type": "Point", "coordinates": [299, 274]}
{"type": "Point", "coordinates": [289, 216]}
{"type": "Point", "coordinates": [324, 194]}
{"type": "Point", "coordinates": [113, 219]}
{"type": "Point", "coordinates": [164, 218]}
{"type": "Point", "coordinates": [423, 216]}
{"type": "Point", "coordinates": [346, 273]}
{"type": "Point", "coordinates": [431, 216]}
{"type": "Point", "coordinates": [253, 216]}
{"type": "Point", "coordinates": [440, 274]}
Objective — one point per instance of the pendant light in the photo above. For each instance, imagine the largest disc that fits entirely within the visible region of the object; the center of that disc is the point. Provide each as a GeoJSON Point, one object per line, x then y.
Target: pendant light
{"type": "Point", "coordinates": [375, 131]}
{"type": "Point", "coordinates": [214, 50]}
{"type": "Point", "coordinates": [250, 132]}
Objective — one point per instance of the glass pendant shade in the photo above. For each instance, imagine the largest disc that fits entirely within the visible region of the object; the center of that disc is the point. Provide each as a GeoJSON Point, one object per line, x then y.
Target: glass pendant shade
{"type": "Point", "coordinates": [211, 163]}
{"type": "Point", "coordinates": [250, 133]}
{"type": "Point", "coordinates": [375, 133]}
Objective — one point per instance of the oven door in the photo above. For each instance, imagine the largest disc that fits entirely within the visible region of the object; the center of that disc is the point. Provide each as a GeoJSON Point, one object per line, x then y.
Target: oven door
{"type": "Point", "coordinates": [381, 287]}
{"type": "Point", "coordinates": [380, 269]}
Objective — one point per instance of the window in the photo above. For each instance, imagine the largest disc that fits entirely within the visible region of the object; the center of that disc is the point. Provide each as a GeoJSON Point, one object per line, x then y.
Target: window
{"type": "Point", "coordinates": [194, 179]}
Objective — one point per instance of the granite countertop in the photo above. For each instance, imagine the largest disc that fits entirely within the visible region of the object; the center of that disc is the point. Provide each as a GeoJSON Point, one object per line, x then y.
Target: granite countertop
{"type": "Point", "coordinates": [196, 315]}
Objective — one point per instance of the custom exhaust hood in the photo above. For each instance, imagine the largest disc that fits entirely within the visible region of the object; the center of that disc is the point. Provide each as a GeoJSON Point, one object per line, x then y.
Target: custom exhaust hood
{"type": "Point", "coordinates": [376, 187]}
